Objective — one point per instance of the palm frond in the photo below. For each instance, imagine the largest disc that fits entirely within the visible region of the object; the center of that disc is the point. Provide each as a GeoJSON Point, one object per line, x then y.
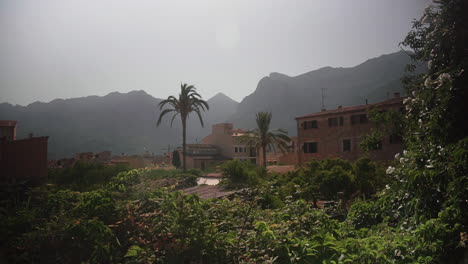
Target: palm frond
{"type": "Point", "coordinates": [199, 117]}
{"type": "Point", "coordinates": [162, 114]}
{"type": "Point", "coordinates": [173, 117]}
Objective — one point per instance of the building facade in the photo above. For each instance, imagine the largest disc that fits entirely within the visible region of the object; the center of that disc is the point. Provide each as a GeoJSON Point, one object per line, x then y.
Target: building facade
{"type": "Point", "coordinates": [202, 156]}
{"type": "Point", "coordinates": [21, 159]}
{"type": "Point", "coordinates": [337, 133]}
{"type": "Point", "coordinates": [228, 141]}
{"type": "Point", "coordinates": [224, 143]}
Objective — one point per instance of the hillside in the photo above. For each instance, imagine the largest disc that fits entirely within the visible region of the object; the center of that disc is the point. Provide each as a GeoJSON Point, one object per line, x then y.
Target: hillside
{"type": "Point", "coordinates": [287, 97]}
{"type": "Point", "coordinates": [119, 122]}
{"type": "Point", "coordinates": [126, 122]}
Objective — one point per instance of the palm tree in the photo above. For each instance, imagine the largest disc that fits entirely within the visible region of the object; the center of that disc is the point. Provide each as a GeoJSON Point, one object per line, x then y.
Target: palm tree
{"type": "Point", "coordinates": [262, 137]}
{"type": "Point", "coordinates": [189, 101]}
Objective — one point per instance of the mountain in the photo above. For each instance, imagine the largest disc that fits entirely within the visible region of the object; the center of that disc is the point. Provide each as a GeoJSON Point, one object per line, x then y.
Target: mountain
{"type": "Point", "coordinates": [119, 122]}
{"type": "Point", "coordinates": [221, 107]}
{"type": "Point", "coordinates": [126, 122]}
{"type": "Point", "coordinates": [287, 97]}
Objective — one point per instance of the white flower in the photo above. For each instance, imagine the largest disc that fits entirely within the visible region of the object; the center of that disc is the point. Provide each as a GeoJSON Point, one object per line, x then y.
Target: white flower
{"type": "Point", "coordinates": [429, 64]}
{"type": "Point", "coordinates": [390, 170]}
{"type": "Point", "coordinates": [397, 156]}
{"type": "Point", "coordinates": [387, 187]}
{"type": "Point", "coordinates": [428, 82]}
{"type": "Point", "coordinates": [444, 77]}
{"type": "Point", "coordinates": [402, 160]}
{"type": "Point", "coordinates": [405, 152]}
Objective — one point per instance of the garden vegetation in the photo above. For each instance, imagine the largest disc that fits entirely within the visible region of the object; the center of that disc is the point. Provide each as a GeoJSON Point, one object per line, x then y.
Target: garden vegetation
{"type": "Point", "coordinates": [413, 211]}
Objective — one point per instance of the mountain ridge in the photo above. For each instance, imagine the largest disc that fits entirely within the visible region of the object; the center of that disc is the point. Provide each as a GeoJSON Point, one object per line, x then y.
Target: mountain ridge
{"type": "Point", "coordinates": [126, 122]}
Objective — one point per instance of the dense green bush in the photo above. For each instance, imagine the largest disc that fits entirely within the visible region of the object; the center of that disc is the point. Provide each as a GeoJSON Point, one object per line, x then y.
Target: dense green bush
{"type": "Point", "coordinates": [85, 176]}
{"type": "Point", "coordinates": [239, 174]}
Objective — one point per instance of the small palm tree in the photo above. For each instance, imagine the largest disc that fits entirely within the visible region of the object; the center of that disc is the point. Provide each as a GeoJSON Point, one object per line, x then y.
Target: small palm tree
{"type": "Point", "coordinates": [189, 101]}
{"type": "Point", "coordinates": [262, 137]}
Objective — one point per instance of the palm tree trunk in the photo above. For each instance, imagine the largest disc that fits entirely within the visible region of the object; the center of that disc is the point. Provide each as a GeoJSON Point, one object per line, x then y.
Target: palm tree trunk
{"type": "Point", "coordinates": [184, 146]}
{"type": "Point", "coordinates": [264, 156]}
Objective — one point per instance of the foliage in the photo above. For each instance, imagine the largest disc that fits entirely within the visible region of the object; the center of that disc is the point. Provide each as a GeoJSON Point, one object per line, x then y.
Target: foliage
{"type": "Point", "coordinates": [85, 176]}
{"type": "Point", "coordinates": [428, 196]}
{"type": "Point", "coordinates": [262, 137]}
{"type": "Point", "coordinates": [238, 174]}
{"type": "Point", "coordinates": [188, 101]}
{"type": "Point", "coordinates": [386, 123]}
{"type": "Point", "coordinates": [176, 159]}
{"type": "Point", "coordinates": [418, 217]}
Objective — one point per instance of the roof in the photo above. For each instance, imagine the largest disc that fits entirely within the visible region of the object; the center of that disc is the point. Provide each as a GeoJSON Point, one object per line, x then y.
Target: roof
{"type": "Point", "coordinates": [356, 108]}
{"type": "Point", "coordinates": [8, 123]}
{"type": "Point", "coordinates": [240, 130]}
{"type": "Point", "coordinates": [208, 191]}
{"type": "Point", "coordinates": [200, 146]}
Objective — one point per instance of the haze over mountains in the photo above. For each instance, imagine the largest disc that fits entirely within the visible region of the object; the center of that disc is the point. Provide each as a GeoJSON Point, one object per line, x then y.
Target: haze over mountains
{"type": "Point", "coordinates": [126, 123]}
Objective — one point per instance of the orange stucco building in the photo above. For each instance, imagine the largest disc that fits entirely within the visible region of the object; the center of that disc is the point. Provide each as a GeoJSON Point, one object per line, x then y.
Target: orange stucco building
{"type": "Point", "coordinates": [337, 133]}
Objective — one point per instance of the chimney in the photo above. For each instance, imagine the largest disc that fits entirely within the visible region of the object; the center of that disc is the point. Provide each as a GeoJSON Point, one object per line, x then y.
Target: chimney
{"type": "Point", "coordinates": [366, 101]}
{"type": "Point", "coordinates": [31, 135]}
{"type": "Point", "coordinates": [340, 106]}
{"type": "Point", "coordinates": [396, 95]}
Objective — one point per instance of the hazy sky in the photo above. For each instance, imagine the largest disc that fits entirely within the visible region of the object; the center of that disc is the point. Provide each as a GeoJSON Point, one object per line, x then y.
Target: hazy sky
{"type": "Point", "coordinates": [66, 48]}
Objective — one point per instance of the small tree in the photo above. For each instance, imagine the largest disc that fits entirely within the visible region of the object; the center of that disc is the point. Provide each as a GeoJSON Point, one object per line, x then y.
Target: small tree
{"type": "Point", "coordinates": [235, 172]}
{"type": "Point", "coordinates": [262, 137]}
{"type": "Point", "coordinates": [176, 159]}
{"type": "Point", "coordinates": [387, 123]}
{"type": "Point", "coordinates": [188, 101]}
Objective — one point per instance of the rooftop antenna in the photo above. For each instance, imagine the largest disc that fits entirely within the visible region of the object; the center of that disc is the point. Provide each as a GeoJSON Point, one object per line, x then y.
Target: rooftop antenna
{"type": "Point", "coordinates": [323, 98]}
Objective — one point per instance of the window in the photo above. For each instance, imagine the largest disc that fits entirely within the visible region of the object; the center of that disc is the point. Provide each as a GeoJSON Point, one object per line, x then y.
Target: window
{"type": "Point", "coordinates": [395, 139]}
{"type": "Point", "coordinates": [310, 147]}
{"type": "Point", "coordinates": [358, 119]}
{"type": "Point", "coordinates": [310, 124]}
{"type": "Point", "coordinates": [235, 149]}
{"type": "Point", "coordinates": [363, 119]}
{"type": "Point", "coordinates": [354, 119]}
{"type": "Point", "coordinates": [346, 145]}
{"type": "Point", "coordinates": [341, 121]}
{"type": "Point", "coordinates": [332, 122]}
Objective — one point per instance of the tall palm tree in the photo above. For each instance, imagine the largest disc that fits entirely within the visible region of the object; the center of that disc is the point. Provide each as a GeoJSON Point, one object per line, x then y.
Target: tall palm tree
{"type": "Point", "coordinates": [189, 101]}
{"type": "Point", "coordinates": [262, 137]}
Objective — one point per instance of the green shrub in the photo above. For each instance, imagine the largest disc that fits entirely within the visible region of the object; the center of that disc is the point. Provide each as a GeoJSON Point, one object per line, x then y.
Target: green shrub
{"type": "Point", "coordinates": [236, 173]}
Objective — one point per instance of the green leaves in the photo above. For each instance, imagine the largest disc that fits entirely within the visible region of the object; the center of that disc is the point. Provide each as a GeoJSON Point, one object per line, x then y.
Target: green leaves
{"type": "Point", "coordinates": [133, 251]}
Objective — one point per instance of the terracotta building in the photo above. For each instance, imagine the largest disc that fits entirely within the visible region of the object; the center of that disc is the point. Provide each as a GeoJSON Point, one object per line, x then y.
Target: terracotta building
{"type": "Point", "coordinates": [21, 159]}
{"type": "Point", "coordinates": [103, 157]}
{"type": "Point", "coordinates": [8, 129]}
{"type": "Point", "coordinates": [84, 156]}
{"type": "Point", "coordinates": [337, 133]}
{"type": "Point", "coordinates": [222, 144]}
{"type": "Point", "coordinates": [202, 156]}
{"type": "Point", "coordinates": [228, 141]}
